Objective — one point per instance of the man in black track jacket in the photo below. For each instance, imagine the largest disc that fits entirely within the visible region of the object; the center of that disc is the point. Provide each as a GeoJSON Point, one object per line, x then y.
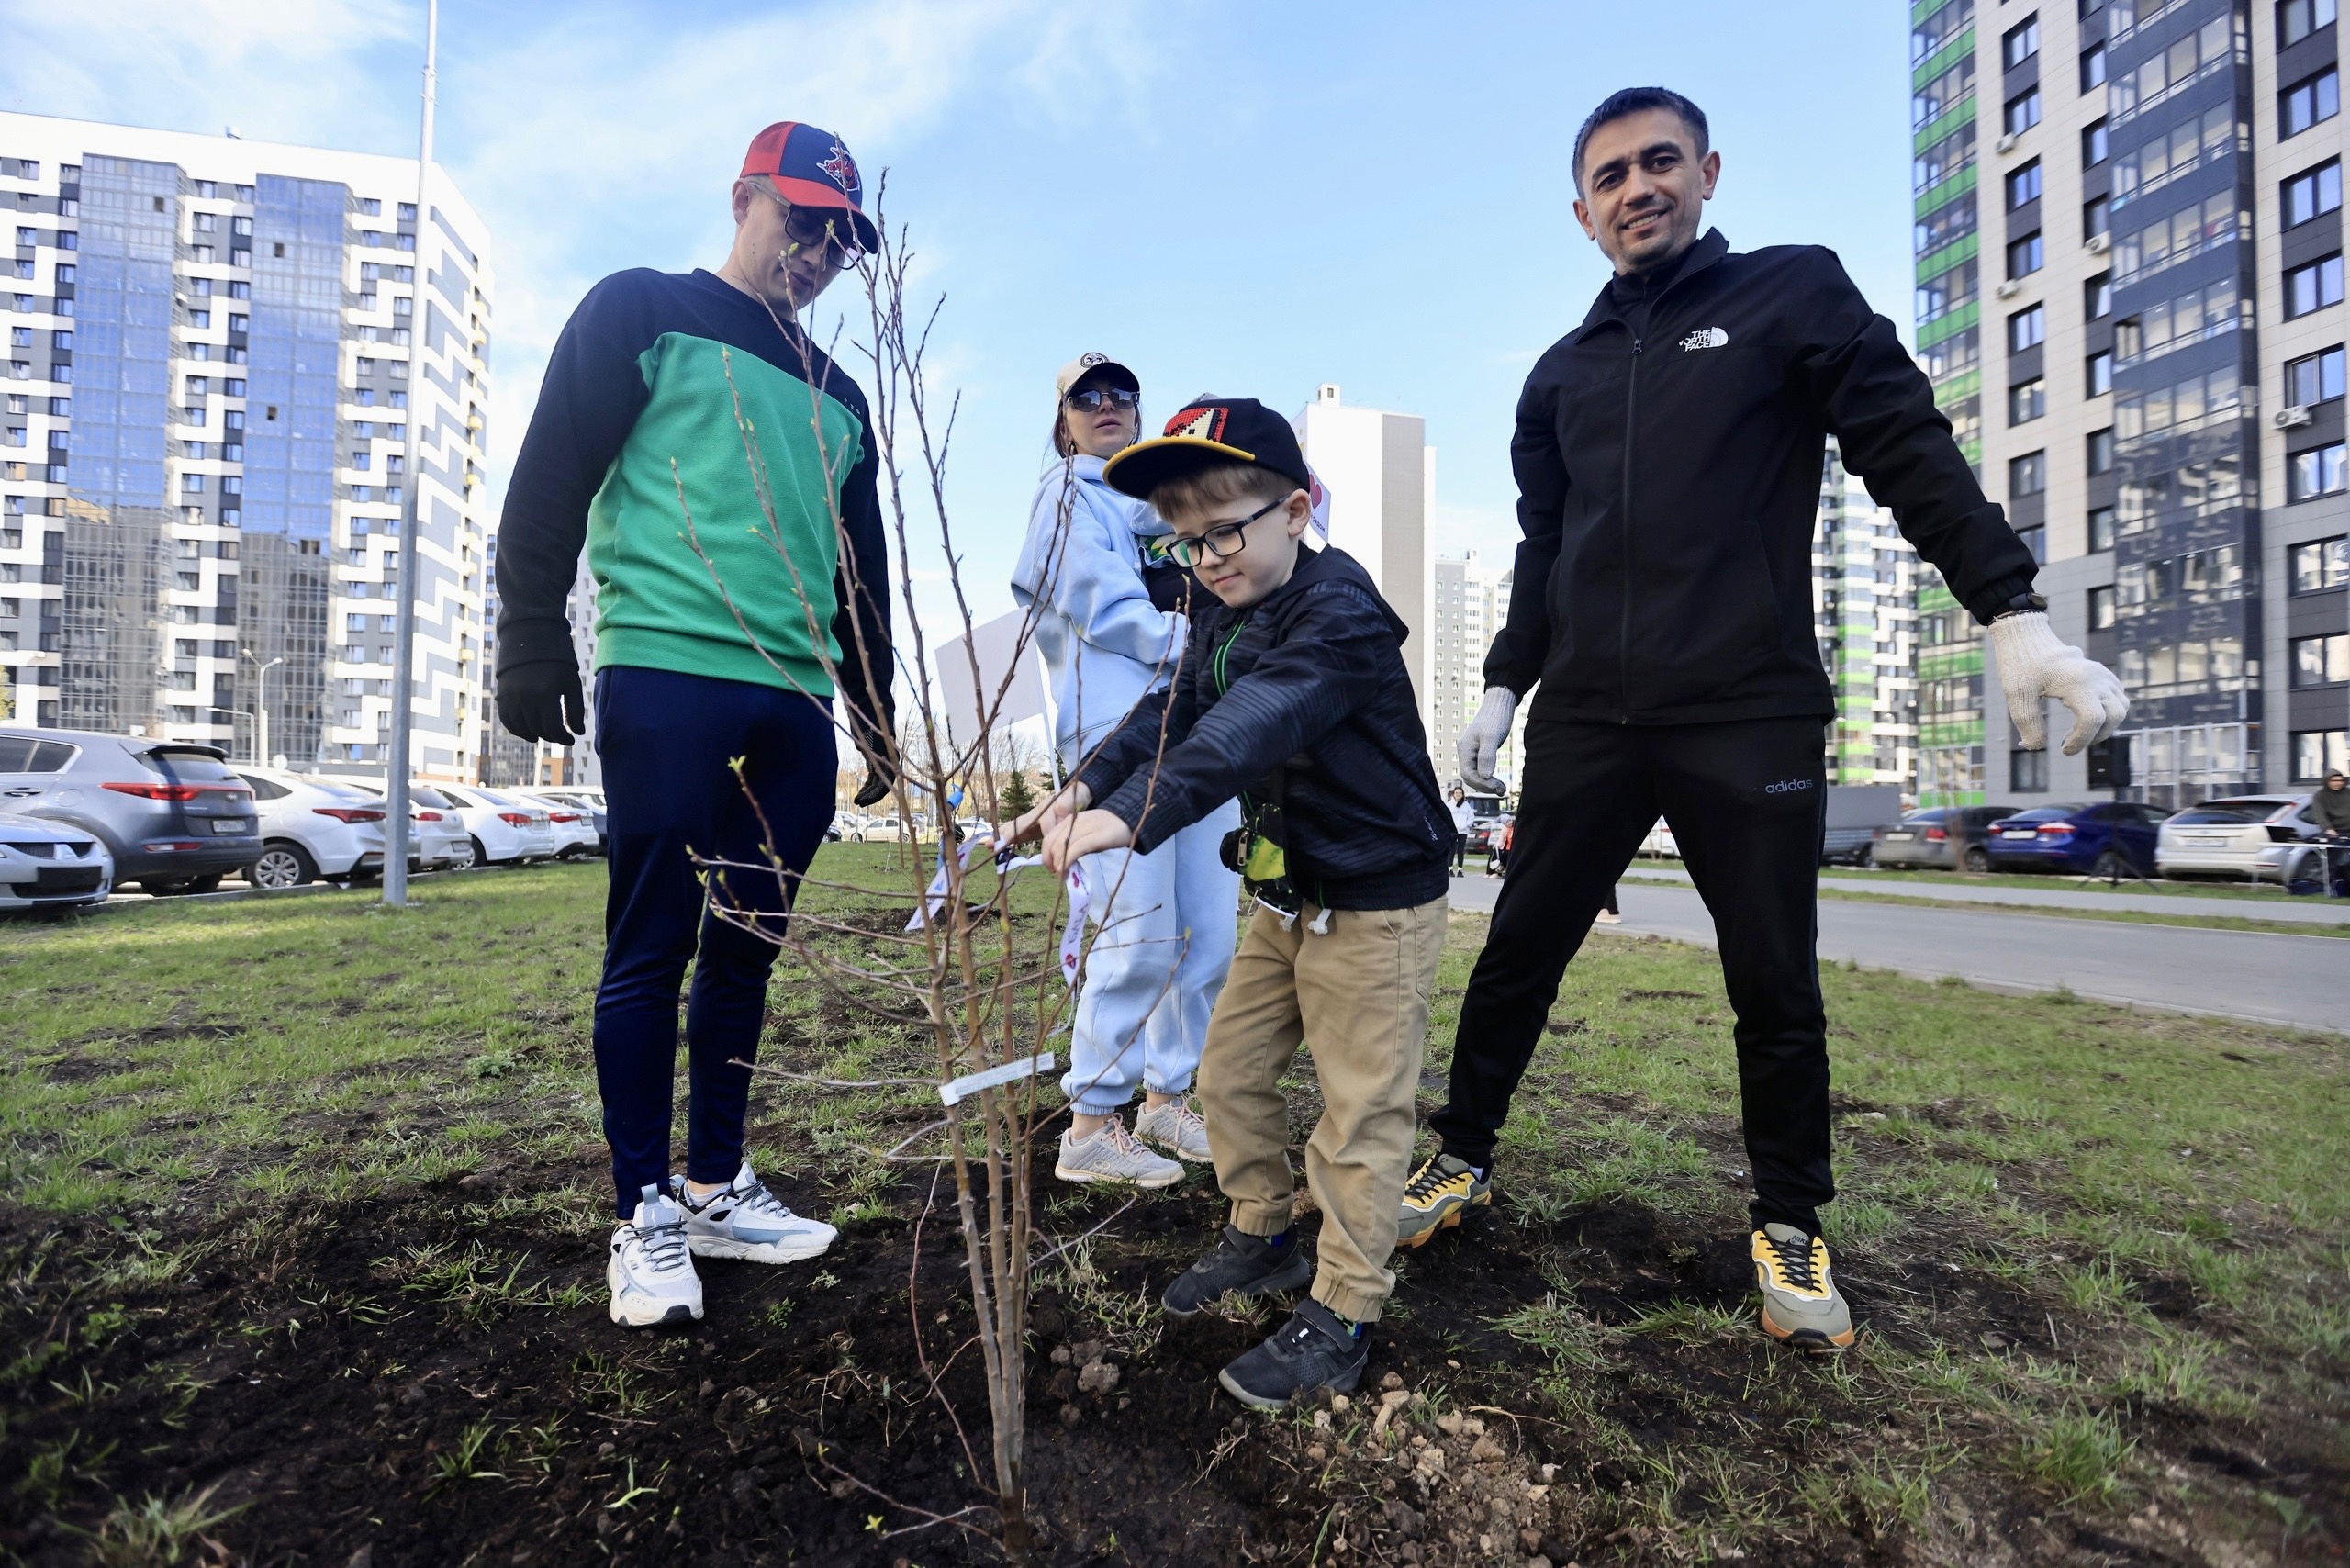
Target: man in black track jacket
{"type": "Point", "coordinates": [1668, 457]}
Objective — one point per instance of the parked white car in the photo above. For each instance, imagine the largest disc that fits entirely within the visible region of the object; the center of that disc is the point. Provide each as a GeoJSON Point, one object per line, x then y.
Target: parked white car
{"type": "Point", "coordinates": [878, 830]}
{"type": "Point", "coordinates": [312, 828]}
{"type": "Point", "coordinates": [506, 831]}
{"type": "Point", "coordinates": [2238, 835]}
{"type": "Point", "coordinates": [1659, 840]}
{"type": "Point", "coordinates": [51, 865]}
{"type": "Point", "coordinates": [572, 818]}
{"type": "Point", "coordinates": [438, 840]}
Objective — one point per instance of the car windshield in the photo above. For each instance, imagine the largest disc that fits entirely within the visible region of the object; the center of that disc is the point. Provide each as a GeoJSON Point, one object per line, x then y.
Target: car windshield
{"type": "Point", "coordinates": [2208, 815]}
{"type": "Point", "coordinates": [189, 764]}
{"type": "Point", "coordinates": [431, 799]}
{"type": "Point", "coordinates": [1931, 814]}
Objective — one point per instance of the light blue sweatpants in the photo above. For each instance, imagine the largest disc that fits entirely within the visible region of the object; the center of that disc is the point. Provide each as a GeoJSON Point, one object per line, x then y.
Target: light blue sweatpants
{"type": "Point", "coordinates": [1159, 954]}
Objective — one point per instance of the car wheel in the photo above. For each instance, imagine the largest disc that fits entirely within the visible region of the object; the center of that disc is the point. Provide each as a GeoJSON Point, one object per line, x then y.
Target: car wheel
{"type": "Point", "coordinates": [1978, 860]}
{"type": "Point", "coordinates": [283, 866]}
{"type": "Point", "coordinates": [2111, 866]}
{"type": "Point", "coordinates": [481, 855]}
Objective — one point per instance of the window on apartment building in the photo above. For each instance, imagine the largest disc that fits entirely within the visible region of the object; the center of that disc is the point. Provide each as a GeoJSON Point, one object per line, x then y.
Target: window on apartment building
{"type": "Point", "coordinates": [2028, 772]}
{"type": "Point", "coordinates": [2311, 101]}
{"type": "Point", "coordinates": [2020, 42]}
{"type": "Point", "coordinates": [2096, 296]}
{"type": "Point", "coordinates": [2035, 539]}
{"type": "Point", "coordinates": [2028, 475]}
{"type": "Point", "coordinates": [2099, 449]}
{"type": "Point", "coordinates": [407, 212]}
{"type": "Point", "coordinates": [2098, 372]}
{"type": "Point", "coordinates": [2102, 609]}
{"type": "Point", "coordinates": [2026, 328]}
{"type": "Point", "coordinates": [2320, 565]}
{"type": "Point", "coordinates": [2022, 112]}
{"type": "Point", "coordinates": [2023, 184]}
{"type": "Point", "coordinates": [2321, 661]}
{"type": "Point", "coordinates": [2313, 288]}
{"type": "Point", "coordinates": [2095, 217]}
{"type": "Point", "coordinates": [2297, 19]}
{"type": "Point", "coordinates": [2314, 192]}
{"type": "Point", "coordinates": [2320, 471]}
{"type": "Point", "coordinates": [2093, 67]}
{"type": "Point", "coordinates": [2094, 143]}
{"type": "Point", "coordinates": [2314, 378]}
{"type": "Point", "coordinates": [2025, 256]}
{"type": "Point", "coordinates": [205, 223]}
{"type": "Point", "coordinates": [2027, 400]}
{"type": "Point", "coordinates": [2317, 752]}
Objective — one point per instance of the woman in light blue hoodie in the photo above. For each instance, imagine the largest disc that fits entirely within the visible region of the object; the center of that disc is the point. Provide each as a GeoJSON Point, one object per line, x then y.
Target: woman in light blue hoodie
{"type": "Point", "coordinates": [1165, 941]}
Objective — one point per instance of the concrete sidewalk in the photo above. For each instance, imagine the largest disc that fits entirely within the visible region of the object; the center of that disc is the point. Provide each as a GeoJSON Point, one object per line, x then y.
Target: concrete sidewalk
{"type": "Point", "coordinates": [2270, 977]}
{"type": "Point", "coordinates": [2299, 911]}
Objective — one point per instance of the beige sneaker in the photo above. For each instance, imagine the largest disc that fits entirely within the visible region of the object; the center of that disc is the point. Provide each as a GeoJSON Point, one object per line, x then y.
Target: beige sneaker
{"type": "Point", "coordinates": [1176, 1129]}
{"type": "Point", "coordinates": [1112, 1155]}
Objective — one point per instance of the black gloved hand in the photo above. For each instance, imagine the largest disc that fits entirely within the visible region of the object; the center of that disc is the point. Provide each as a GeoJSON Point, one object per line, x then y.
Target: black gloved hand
{"type": "Point", "coordinates": [879, 776]}
{"type": "Point", "coordinates": [543, 701]}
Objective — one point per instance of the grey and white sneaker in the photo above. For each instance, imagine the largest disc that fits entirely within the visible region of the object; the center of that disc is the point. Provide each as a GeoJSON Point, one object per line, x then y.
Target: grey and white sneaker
{"type": "Point", "coordinates": [1176, 1129]}
{"type": "Point", "coordinates": [743, 1219]}
{"type": "Point", "coordinates": [1112, 1155]}
{"type": "Point", "coordinates": [651, 1275]}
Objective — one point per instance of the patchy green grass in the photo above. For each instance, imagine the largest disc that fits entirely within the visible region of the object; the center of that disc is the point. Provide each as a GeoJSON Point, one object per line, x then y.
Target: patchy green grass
{"type": "Point", "coordinates": [2098, 1255]}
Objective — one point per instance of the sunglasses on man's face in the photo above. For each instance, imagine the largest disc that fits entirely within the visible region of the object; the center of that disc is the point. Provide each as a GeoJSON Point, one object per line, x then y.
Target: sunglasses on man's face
{"type": "Point", "coordinates": [820, 230]}
{"type": "Point", "coordinates": [1125, 400]}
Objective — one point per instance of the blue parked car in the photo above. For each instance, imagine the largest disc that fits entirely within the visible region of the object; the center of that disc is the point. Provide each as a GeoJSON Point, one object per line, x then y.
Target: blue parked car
{"type": "Point", "coordinates": [2114, 839]}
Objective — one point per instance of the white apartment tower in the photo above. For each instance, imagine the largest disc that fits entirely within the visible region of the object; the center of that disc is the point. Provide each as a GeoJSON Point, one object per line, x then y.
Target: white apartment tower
{"type": "Point", "coordinates": [2130, 301]}
{"type": "Point", "coordinates": [1469, 607]}
{"type": "Point", "coordinates": [216, 349]}
{"type": "Point", "coordinates": [1865, 599]}
{"type": "Point", "coordinates": [1381, 474]}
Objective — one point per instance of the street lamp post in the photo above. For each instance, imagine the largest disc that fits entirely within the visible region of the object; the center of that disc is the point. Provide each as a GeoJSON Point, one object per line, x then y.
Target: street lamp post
{"type": "Point", "coordinates": [395, 772]}
{"type": "Point", "coordinates": [261, 704]}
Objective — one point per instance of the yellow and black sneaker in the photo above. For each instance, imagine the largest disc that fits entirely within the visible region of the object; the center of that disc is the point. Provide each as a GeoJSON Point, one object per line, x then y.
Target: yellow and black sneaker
{"type": "Point", "coordinates": [1436, 1196]}
{"type": "Point", "coordinates": [1800, 1304]}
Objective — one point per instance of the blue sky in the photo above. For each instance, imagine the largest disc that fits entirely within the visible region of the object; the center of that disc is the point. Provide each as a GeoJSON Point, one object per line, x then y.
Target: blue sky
{"type": "Point", "coordinates": [1238, 198]}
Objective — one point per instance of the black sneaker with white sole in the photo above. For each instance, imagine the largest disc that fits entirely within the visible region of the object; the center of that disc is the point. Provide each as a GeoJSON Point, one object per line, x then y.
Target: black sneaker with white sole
{"type": "Point", "coordinates": [1314, 1349]}
{"type": "Point", "coordinates": [1248, 1265]}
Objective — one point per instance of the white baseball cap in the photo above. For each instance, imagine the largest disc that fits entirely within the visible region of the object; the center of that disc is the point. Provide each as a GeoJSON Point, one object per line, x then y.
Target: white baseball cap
{"type": "Point", "coordinates": [1086, 365]}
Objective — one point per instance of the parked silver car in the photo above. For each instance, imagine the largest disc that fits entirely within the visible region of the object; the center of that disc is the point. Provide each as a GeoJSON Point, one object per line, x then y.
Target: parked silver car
{"type": "Point", "coordinates": [506, 831]}
{"type": "Point", "coordinates": [50, 866]}
{"type": "Point", "coordinates": [2239, 836]}
{"type": "Point", "coordinates": [312, 828]}
{"type": "Point", "coordinates": [173, 816]}
{"type": "Point", "coordinates": [437, 837]}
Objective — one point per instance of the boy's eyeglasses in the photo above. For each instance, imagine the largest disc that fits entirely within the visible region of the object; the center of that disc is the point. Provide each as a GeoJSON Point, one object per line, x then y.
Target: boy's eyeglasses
{"type": "Point", "coordinates": [1122, 399]}
{"type": "Point", "coordinates": [817, 229]}
{"type": "Point", "coordinates": [1225, 540]}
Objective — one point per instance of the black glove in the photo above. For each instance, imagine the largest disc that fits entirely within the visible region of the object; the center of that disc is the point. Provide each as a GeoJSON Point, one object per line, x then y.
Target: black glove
{"type": "Point", "coordinates": [543, 701]}
{"type": "Point", "coordinates": [879, 776]}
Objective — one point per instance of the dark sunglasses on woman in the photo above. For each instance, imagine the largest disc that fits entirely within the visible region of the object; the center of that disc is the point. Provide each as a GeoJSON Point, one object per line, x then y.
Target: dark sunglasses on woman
{"type": "Point", "coordinates": [1122, 399]}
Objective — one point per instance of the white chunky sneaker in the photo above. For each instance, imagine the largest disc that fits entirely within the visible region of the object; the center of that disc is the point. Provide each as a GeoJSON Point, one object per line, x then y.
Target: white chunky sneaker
{"type": "Point", "coordinates": [1176, 1129]}
{"type": "Point", "coordinates": [651, 1277]}
{"type": "Point", "coordinates": [743, 1219]}
{"type": "Point", "coordinates": [1112, 1155]}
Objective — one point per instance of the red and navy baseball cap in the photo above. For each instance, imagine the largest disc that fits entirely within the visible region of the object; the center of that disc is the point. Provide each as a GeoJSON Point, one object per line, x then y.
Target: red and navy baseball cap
{"type": "Point", "coordinates": [811, 168]}
{"type": "Point", "coordinates": [1210, 429]}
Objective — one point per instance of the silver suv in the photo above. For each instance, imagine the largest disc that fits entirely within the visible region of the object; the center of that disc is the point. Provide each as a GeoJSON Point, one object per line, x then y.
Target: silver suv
{"type": "Point", "coordinates": [171, 814]}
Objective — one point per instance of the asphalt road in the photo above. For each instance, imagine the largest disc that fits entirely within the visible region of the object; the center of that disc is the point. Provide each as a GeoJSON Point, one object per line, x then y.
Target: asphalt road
{"type": "Point", "coordinates": [2162, 898]}
{"type": "Point", "coordinates": [2298, 980]}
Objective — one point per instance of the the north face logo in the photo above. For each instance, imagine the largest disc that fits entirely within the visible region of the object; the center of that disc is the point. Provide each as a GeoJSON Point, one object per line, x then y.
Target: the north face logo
{"type": "Point", "coordinates": [1705, 338]}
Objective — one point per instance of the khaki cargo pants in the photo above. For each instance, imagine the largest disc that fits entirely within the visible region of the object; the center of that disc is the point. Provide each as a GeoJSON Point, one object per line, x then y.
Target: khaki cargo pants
{"type": "Point", "coordinates": [1358, 996]}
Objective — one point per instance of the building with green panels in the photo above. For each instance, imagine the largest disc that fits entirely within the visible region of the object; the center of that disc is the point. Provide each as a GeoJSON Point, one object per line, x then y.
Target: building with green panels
{"type": "Point", "coordinates": [1949, 671]}
{"type": "Point", "coordinates": [1864, 595]}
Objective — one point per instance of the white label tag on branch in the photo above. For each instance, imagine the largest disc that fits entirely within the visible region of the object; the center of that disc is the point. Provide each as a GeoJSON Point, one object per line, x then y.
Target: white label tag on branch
{"type": "Point", "coordinates": [972, 1083]}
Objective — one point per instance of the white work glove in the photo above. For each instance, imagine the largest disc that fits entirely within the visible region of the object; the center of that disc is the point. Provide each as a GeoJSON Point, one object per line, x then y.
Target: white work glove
{"type": "Point", "coordinates": [2034, 665]}
{"type": "Point", "coordinates": [1481, 743]}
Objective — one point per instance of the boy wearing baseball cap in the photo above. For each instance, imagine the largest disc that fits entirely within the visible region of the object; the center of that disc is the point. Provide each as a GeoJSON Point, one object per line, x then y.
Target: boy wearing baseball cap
{"type": "Point", "coordinates": [1293, 694]}
{"type": "Point", "coordinates": [725, 600]}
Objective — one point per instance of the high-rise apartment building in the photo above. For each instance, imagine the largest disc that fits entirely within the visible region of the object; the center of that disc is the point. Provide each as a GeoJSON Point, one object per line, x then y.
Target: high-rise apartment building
{"type": "Point", "coordinates": [1865, 599]}
{"type": "Point", "coordinates": [1381, 474]}
{"type": "Point", "coordinates": [1468, 605]}
{"type": "Point", "coordinates": [2130, 299]}
{"type": "Point", "coordinates": [216, 350]}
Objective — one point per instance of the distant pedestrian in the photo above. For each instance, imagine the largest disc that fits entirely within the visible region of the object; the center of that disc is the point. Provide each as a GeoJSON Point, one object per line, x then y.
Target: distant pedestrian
{"type": "Point", "coordinates": [1464, 817]}
{"type": "Point", "coordinates": [1608, 913]}
{"type": "Point", "coordinates": [1166, 932]}
{"type": "Point", "coordinates": [2330, 809]}
{"type": "Point", "coordinates": [707, 660]}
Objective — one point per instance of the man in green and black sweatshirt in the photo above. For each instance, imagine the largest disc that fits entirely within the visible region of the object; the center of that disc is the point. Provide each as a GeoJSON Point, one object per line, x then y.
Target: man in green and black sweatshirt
{"type": "Point", "coordinates": [724, 599]}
